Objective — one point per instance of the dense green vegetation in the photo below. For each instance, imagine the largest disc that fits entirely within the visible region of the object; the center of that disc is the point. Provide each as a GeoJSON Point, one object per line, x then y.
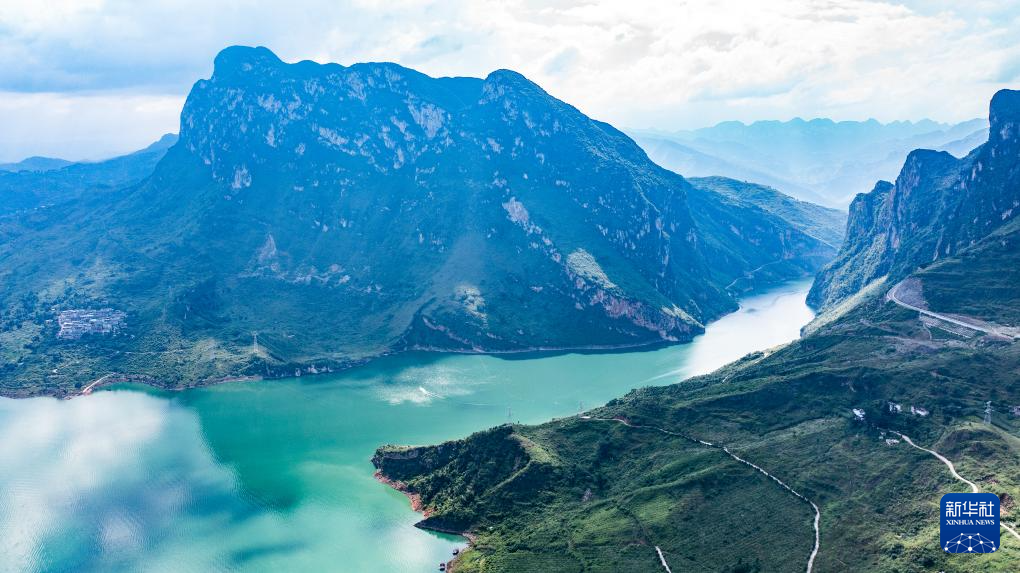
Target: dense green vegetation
{"type": "Point", "coordinates": [589, 495]}
{"type": "Point", "coordinates": [992, 265]}
{"type": "Point", "coordinates": [339, 213]}
{"type": "Point", "coordinates": [648, 470]}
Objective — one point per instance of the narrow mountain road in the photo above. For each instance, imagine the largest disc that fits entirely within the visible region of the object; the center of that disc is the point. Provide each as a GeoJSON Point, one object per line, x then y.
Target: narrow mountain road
{"type": "Point", "coordinates": [750, 274]}
{"type": "Point", "coordinates": [726, 450]}
{"type": "Point", "coordinates": [893, 295]}
{"type": "Point", "coordinates": [952, 469]}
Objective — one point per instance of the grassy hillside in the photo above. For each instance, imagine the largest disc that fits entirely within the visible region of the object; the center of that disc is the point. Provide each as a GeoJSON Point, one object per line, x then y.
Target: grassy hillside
{"type": "Point", "coordinates": [991, 265]}
{"type": "Point", "coordinates": [593, 495]}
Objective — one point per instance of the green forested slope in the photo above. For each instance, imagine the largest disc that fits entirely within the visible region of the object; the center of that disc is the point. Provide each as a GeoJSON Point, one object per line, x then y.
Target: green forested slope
{"type": "Point", "coordinates": [591, 495]}
{"type": "Point", "coordinates": [823, 223]}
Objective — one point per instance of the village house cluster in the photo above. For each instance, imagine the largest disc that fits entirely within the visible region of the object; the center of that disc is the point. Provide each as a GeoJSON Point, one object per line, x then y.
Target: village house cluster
{"type": "Point", "coordinates": [894, 408]}
{"type": "Point", "coordinates": [915, 410]}
{"type": "Point", "coordinates": [76, 323]}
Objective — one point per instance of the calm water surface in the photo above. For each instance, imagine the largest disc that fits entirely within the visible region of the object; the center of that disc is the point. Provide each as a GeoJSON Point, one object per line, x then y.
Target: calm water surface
{"type": "Point", "coordinates": [275, 475]}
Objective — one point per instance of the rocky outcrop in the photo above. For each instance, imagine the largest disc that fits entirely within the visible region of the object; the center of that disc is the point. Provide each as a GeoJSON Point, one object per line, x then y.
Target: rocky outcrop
{"type": "Point", "coordinates": [438, 478]}
{"type": "Point", "coordinates": [938, 206]}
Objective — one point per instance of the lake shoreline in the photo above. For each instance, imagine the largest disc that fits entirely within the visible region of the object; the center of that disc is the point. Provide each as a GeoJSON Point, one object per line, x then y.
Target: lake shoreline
{"type": "Point", "coordinates": [414, 498]}
{"type": "Point", "coordinates": [336, 368]}
{"type": "Point", "coordinates": [287, 458]}
{"type": "Point", "coordinates": [418, 507]}
{"type": "Point", "coordinates": [340, 366]}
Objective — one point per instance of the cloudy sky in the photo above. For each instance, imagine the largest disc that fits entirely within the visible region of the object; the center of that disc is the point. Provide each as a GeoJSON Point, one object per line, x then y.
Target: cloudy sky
{"type": "Point", "coordinates": [91, 78]}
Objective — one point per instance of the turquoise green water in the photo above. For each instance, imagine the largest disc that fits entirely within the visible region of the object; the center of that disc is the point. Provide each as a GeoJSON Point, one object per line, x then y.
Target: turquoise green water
{"type": "Point", "coordinates": [275, 475]}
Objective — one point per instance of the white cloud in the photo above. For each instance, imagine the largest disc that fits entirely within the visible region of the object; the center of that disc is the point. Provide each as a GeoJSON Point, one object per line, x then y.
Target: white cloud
{"type": "Point", "coordinates": [666, 63]}
{"type": "Point", "coordinates": [83, 126]}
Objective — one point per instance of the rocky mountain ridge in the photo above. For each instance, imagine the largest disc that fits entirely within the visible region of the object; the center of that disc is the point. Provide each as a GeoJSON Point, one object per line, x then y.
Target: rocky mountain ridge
{"type": "Point", "coordinates": [938, 206]}
{"type": "Point", "coordinates": [312, 216]}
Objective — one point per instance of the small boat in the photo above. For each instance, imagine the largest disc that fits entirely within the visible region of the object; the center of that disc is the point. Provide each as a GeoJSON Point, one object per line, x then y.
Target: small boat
{"type": "Point", "coordinates": [456, 551]}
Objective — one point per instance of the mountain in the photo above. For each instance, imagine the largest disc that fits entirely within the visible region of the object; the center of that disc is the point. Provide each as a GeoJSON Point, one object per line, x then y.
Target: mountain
{"type": "Point", "coordinates": [789, 237]}
{"type": "Point", "coordinates": [817, 454]}
{"type": "Point", "coordinates": [598, 495]}
{"type": "Point", "coordinates": [825, 224]}
{"type": "Point", "coordinates": [29, 188]}
{"type": "Point", "coordinates": [938, 206]}
{"type": "Point", "coordinates": [36, 163]}
{"type": "Point", "coordinates": [819, 160]}
{"type": "Point", "coordinates": [313, 216]}
{"type": "Point", "coordinates": [964, 145]}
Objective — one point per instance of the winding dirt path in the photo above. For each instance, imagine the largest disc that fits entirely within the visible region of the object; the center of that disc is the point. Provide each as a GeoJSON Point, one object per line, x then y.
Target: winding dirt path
{"type": "Point", "coordinates": [662, 558]}
{"type": "Point", "coordinates": [952, 469]}
{"type": "Point", "coordinates": [726, 450]}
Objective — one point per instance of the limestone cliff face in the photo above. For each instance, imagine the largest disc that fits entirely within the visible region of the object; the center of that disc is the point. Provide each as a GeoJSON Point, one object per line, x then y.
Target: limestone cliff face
{"type": "Point", "coordinates": [343, 212]}
{"type": "Point", "coordinates": [396, 189]}
{"type": "Point", "coordinates": [938, 205]}
{"type": "Point", "coordinates": [377, 180]}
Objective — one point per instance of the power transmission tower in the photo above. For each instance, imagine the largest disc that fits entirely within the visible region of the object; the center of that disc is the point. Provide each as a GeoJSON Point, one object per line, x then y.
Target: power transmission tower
{"type": "Point", "coordinates": [255, 343]}
{"type": "Point", "coordinates": [988, 412]}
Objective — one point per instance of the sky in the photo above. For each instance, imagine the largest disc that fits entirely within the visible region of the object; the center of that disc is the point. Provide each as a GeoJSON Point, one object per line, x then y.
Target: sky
{"type": "Point", "coordinates": [85, 79]}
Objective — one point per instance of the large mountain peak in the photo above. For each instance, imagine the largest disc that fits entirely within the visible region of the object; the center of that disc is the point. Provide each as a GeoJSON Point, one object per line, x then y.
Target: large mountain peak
{"type": "Point", "coordinates": [503, 82]}
{"type": "Point", "coordinates": [347, 211]}
{"type": "Point", "coordinates": [318, 166]}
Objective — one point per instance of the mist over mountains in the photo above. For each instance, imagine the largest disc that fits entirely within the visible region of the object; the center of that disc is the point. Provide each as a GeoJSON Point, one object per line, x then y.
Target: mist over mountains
{"type": "Point", "coordinates": [311, 217]}
{"type": "Point", "coordinates": [45, 182]}
{"type": "Point", "coordinates": [816, 160]}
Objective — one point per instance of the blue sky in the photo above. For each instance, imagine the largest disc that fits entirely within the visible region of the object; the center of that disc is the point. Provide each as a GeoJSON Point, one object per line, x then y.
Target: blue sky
{"type": "Point", "coordinates": [91, 78]}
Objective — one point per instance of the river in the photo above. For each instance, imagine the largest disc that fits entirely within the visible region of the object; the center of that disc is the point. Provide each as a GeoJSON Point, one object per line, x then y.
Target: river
{"type": "Point", "coordinates": [275, 475]}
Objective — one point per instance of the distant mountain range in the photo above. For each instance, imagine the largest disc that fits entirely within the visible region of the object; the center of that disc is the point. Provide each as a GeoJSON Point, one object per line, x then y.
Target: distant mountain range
{"type": "Point", "coordinates": [40, 181]}
{"type": "Point", "coordinates": [820, 160]}
{"type": "Point", "coordinates": [311, 216]}
{"type": "Point", "coordinates": [36, 163]}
